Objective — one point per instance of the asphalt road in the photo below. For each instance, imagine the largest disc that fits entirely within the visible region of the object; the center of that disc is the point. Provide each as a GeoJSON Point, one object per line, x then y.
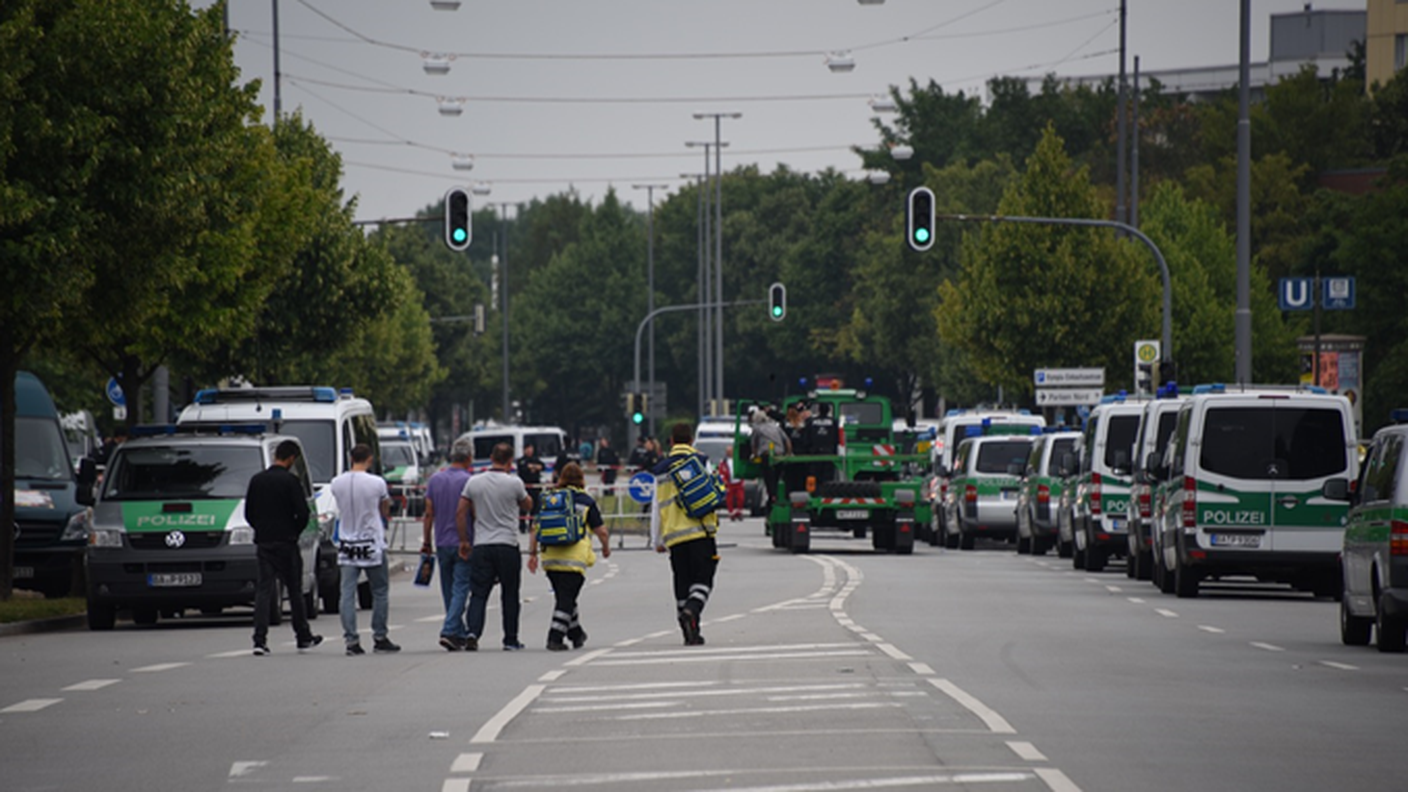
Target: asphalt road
{"type": "Point", "coordinates": [837, 670]}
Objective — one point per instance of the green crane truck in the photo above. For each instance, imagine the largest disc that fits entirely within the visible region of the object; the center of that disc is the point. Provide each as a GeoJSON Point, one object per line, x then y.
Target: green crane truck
{"type": "Point", "coordinates": [853, 473]}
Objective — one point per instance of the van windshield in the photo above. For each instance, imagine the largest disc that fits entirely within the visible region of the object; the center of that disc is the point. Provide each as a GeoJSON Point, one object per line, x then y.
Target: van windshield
{"type": "Point", "coordinates": [394, 455]}
{"type": "Point", "coordinates": [1264, 443]}
{"type": "Point", "coordinates": [40, 452]}
{"type": "Point", "coordinates": [863, 413]}
{"type": "Point", "coordinates": [484, 444]}
{"type": "Point", "coordinates": [191, 472]}
{"type": "Point", "coordinates": [995, 457]}
{"type": "Point", "coordinates": [545, 445]}
{"type": "Point", "coordinates": [319, 447]}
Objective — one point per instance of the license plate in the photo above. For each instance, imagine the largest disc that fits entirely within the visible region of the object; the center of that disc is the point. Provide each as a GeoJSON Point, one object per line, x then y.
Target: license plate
{"type": "Point", "coordinates": [1009, 494]}
{"type": "Point", "coordinates": [1236, 540]}
{"type": "Point", "coordinates": [852, 514]}
{"type": "Point", "coordinates": [1116, 525]}
{"type": "Point", "coordinates": [173, 579]}
{"type": "Point", "coordinates": [24, 572]}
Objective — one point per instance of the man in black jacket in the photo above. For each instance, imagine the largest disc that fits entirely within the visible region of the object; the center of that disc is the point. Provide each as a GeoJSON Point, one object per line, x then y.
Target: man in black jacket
{"type": "Point", "coordinates": [276, 507]}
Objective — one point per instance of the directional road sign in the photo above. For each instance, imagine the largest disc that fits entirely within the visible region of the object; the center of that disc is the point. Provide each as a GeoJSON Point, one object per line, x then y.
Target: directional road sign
{"type": "Point", "coordinates": [1068, 397]}
{"type": "Point", "coordinates": [1070, 377]}
{"type": "Point", "coordinates": [642, 487]}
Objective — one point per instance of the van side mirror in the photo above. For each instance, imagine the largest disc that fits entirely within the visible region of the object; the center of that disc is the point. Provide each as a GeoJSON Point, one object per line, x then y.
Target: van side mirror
{"type": "Point", "coordinates": [87, 480]}
{"type": "Point", "coordinates": [1155, 467]}
{"type": "Point", "coordinates": [1337, 489]}
{"type": "Point", "coordinates": [1017, 469]}
{"type": "Point", "coordinates": [1121, 466]}
{"type": "Point", "coordinates": [1067, 466]}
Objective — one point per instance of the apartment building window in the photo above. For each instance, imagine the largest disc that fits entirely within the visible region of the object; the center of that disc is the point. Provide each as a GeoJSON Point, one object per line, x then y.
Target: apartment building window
{"type": "Point", "coordinates": [1400, 51]}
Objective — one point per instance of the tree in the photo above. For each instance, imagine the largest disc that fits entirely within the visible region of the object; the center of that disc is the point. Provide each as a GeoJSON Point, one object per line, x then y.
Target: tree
{"type": "Point", "coordinates": [1033, 296]}
{"type": "Point", "coordinates": [128, 182]}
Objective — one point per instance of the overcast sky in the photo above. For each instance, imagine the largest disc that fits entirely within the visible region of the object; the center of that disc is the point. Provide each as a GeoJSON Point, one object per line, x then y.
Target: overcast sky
{"type": "Point", "coordinates": [591, 94]}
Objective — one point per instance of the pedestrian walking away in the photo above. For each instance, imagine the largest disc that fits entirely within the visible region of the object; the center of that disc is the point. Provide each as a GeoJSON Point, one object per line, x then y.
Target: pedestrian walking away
{"type": "Point", "coordinates": [364, 506]}
{"type": "Point", "coordinates": [442, 500]}
{"type": "Point", "coordinates": [566, 562]}
{"type": "Point", "coordinates": [694, 553]}
{"type": "Point", "coordinates": [276, 504]}
{"type": "Point", "coordinates": [493, 500]}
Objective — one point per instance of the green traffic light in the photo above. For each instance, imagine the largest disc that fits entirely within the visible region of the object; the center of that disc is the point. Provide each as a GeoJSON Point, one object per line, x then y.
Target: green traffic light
{"type": "Point", "coordinates": [921, 235]}
{"type": "Point", "coordinates": [777, 310]}
{"type": "Point", "coordinates": [459, 234]}
{"type": "Point", "coordinates": [637, 418]}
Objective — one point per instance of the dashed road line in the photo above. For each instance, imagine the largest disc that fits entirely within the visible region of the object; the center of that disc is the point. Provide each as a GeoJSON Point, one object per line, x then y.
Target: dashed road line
{"type": "Point", "coordinates": [1113, 589]}
{"type": "Point", "coordinates": [1166, 613]}
{"type": "Point", "coordinates": [1027, 751]}
{"type": "Point", "coordinates": [996, 723]}
{"type": "Point", "coordinates": [93, 684]}
{"type": "Point", "coordinates": [1210, 629]}
{"type": "Point", "coordinates": [1056, 780]}
{"type": "Point", "coordinates": [1340, 666]}
{"type": "Point", "coordinates": [32, 705]}
{"type": "Point", "coordinates": [490, 730]}
{"type": "Point", "coordinates": [893, 651]}
{"type": "Point", "coordinates": [467, 763]}
{"type": "Point", "coordinates": [1268, 647]}
{"type": "Point", "coordinates": [921, 669]}
{"type": "Point", "coordinates": [1136, 600]}
{"type": "Point", "coordinates": [158, 667]}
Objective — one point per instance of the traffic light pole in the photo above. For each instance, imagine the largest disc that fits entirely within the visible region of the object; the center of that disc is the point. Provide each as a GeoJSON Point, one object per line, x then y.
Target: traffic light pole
{"type": "Point", "coordinates": [648, 321]}
{"type": "Point", "coordinates": [1167, 334]}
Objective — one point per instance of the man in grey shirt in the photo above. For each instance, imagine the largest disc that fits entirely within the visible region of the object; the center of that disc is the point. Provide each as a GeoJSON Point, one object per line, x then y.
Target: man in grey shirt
{"type": "Point", "coordinates": [494, 499]}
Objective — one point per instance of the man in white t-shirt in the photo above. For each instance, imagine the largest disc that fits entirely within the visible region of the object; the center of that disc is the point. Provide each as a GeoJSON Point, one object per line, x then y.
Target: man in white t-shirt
{"type": "Point", "coordinates": [364, 505]}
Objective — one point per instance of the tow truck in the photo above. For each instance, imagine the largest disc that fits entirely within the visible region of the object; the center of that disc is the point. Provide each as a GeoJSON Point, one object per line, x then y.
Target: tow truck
{"type": "Point", "coordinates": [863, 478]}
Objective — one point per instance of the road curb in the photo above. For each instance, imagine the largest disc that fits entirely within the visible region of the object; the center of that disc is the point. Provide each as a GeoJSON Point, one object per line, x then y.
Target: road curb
{"type": "Point", "coordinates": [58, 624]}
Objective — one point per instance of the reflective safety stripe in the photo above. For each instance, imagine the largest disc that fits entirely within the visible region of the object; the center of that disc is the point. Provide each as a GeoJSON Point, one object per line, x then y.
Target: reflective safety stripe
{"type": "Point", "coordinates": [564, 565]}
{"type": "Point", "coordinates": [686, 533]}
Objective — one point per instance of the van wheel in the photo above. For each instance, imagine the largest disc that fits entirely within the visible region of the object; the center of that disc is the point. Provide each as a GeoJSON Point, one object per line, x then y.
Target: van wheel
{"type": "Point", "coordinates": [1024, 545]}
{"type": "Point", "coordinates": [1164, 575]}
{"type": "Point", "coordinates": [101, 615]}
{"type": "Point", "coordinates": [1077, 556]}
{"type": "Point", "coordinates": [1392, 631]}
{"type": "Point", "coordinates": [1185, 582]}
{"type": "Point", "coordinates": [965, 540]}
{"type": "Point", "coordinates": [1354, 630]}
{"type": "Point", "coordinates": [1143, 564]}
{"type": "Point", "coordinates": [1095, 558]}
{"type": "Point", "coordinates": [950, 538]}
{"type": "Point", "coordinates": [1064, 549]}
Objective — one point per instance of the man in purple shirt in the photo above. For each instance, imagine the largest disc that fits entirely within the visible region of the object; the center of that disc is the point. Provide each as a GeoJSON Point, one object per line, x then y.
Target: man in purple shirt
{"type": "Point", "coordinates": [442, 497]}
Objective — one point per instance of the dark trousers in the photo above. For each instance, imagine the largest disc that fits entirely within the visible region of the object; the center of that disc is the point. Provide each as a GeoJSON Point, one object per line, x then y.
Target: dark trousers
{"type": "Point", "coordinates": [693, 564]}
{"type": "Point", "coordinates": [566, 587]}
{"type": "Point", "coordinates": [490, 564]}
{"type": "Point", "coordinates": [279, 561]}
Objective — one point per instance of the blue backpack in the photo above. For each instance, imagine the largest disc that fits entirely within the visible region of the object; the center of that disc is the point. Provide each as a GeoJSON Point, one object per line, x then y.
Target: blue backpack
{"type": "Point", "coordinates": [558, 521]}
{"type": "Point", "coordinates": [699, 492]}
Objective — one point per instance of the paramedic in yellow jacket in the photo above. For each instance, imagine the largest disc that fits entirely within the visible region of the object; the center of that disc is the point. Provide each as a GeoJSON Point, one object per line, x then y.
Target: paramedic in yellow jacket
{"type": "Point", "coordinates": [566, 565]}
{"type": "Point", "coordinates": [694, 555]}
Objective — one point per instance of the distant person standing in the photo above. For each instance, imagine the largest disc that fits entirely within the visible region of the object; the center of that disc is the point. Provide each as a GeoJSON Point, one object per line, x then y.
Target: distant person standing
{"type": "Point", "coordinates": [640, 455]}
{"type": "Point", "coordinates": [364, 505]}
{"type": "Point", "coordinates": [823, 438]}
{"type": "Point", "coordinates": [694, 554]}
{"type": "Point", "coordinates": [442, 500]}
{"type": "Point", "coordinates": [769, 445]}
{"type": "Point", "coordinates": [733, 487]}
{"type": "Point", "coordinates": [493, 500]}
{"type": "Point", "coordinates": [276, 506]}
{"type": "Point", "coordinates": [566, 564]}
{"type": "Point", "coordinates": [530, 470]}
{"type": "Point", "coordinates": [607, 460]}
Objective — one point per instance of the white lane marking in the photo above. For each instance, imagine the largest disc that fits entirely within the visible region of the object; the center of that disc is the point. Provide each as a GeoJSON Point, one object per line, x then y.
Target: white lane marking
{"type": "Point", "coordinates": [313, 779]}
{"type": "Point", "coordinates": [1136, 600]}
{"type": "Point", "coordinates": [1027, 751]}
{"type": "Point", "coordinates": [676, 694]}
{"type": "Point", "coordinates": [1056, 780]}
{"type": "Point", "coordinates": [620, 705]}
{"type": "Point", "coordinates": [490, 730]}
{"type": "Point", "coordinates": [1091, 580]}
{"type": "Point", "coordinates": [872, 637]}
{"type": "Point", "coordinates": [1209, 628]}
{"type": "Point", "coordinates": [1268, 647]}
{"type": "Point", "coordinates": [428, 619]}
{"type": "Point", "coordinates": [637, 686]}
{"type": "Point", "coordinates": [760, 711]}
{"type": "Point", "coordinates": [238, 769]}
{"type": "Point", "coordinates": [93, 684]}
{"type": "Point", "coordinates": [886, 783]}
{"type": "Point", "coordinates": [819, 697]}
{"type": "Point", "coordinates": [158, 667]}
{"type": "Point", "coordinates": [1113, 589]}
{"type": "Point", "coordinates": [892, 651]}
{"type": "Point", "coordinates": [236, 653]}
{"type": "Point", "coordinates": [466, 763]}
{"type": "Point", "coordinates": [455, 785]}
{"type": "Point", "coordinates": [629, 642]}
{"type": "Point", "coordinates": [995, 723]}
{"type": "Point", "coordinates": [552, 676]}
{"type": "Point", "coordinates": [682, 652]}
{"type": "Point", "coordinates": [1166, 613]}
{"type": "Point", "coordinates": [702, 658]}
{"type": "Point", "coordinates": [922, 669]}
{"type": "Point", "coordinates": [729, 618]}
{"type": "Point", "coordinates": [31, 705]}
{"type": "Point", "coordinates": [1340, 666]}
{"type": "Point", "coordinates": [588, 657]}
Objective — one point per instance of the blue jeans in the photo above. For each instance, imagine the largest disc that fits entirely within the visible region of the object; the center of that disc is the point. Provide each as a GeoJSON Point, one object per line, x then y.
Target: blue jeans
{"type": "Point", "coordinates": [454, 589]}
{"type": "Point", "coordinates": [380, 581]}
{"type": "Point", "coordinates": [490, 564]}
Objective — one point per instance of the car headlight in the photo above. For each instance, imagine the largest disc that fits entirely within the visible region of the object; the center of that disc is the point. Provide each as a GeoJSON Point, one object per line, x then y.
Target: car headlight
{"type": "Point", "coordinates": [243, 535]}
{"type": "Point", "coordinates": [77, 528]}
{"type": "Point", "coordinates": [105, 537]}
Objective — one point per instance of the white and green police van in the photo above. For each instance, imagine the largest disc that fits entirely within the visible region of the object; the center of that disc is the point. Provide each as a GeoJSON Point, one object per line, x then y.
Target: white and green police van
{"type": "Point", "coordinates": [1100, 521]}
{"type": "Point", "coordinates": [169, 531]}
{"type": "Point", "coordinates": [953, 428]}
{"type": "Point", "coordinates": [328, 422]}
{"type": "Point", "coordinates": [1375, 556]}
{"type": "Point", "coordinates": [983, 487]}
{"type": "Point", "coordinates": [1241, 488]}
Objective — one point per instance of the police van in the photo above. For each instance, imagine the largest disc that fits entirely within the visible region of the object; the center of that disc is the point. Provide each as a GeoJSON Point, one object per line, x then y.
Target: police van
{"type": "Point", "coordinates": [1155, 428]}
{"type": "Point", "coordinates": [985, 481]}
{"type": "Point", "coordinates": [1241, 488]}
{"type": "Point", "coordinates": [1100, 518]}
{"type": "Point", "coordinates": [952, 429]}
{"type": "Point", "coordinates": [547, 442]}
{"type": "Point", "coordinates": [1041, 488]}
{"type": "Point", "coordinates": [169, 530]}
{"type": "Point", "coordinates": [328, 423]}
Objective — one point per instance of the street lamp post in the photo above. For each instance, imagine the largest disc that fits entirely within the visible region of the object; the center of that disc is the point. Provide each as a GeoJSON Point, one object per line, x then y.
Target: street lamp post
{"type": "Point", "coordinates": [503, 287]}
{"type": "Point", "coordinates": [706, 316]}
{"type": "Point", "coordinates": [699, 180]}
{"type": "Point", "coordinates": [718, 246]}
{"type": "Point", "coordinates": [650, 289]}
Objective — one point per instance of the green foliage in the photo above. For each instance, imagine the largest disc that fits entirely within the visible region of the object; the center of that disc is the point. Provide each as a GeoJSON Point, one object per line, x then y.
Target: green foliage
{"type": "Point", "coordinates": [1033, 296]}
